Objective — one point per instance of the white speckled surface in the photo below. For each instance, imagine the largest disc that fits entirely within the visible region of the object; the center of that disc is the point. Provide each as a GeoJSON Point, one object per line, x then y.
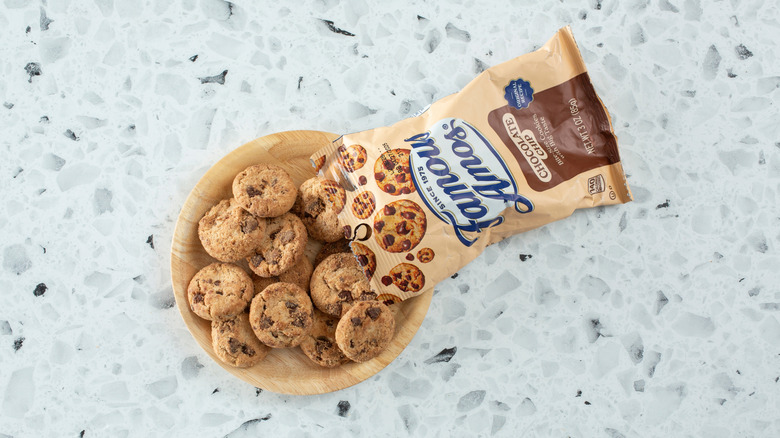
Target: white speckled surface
{"type": "Point", "coordinates": [656, 318]}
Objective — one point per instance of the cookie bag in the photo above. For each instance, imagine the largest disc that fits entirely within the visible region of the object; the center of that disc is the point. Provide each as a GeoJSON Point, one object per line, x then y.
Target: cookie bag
{"type": "Point", "coordinates": [524, 144]}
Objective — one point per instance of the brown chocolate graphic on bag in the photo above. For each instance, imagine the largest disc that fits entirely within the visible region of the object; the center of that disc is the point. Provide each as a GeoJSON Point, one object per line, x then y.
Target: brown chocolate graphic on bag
{"type": "Point", "coordinates": [553, 146]}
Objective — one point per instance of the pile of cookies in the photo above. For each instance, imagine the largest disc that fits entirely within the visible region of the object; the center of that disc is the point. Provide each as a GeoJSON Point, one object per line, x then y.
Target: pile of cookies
{"type": "Point", "coordinates": [283, 300]}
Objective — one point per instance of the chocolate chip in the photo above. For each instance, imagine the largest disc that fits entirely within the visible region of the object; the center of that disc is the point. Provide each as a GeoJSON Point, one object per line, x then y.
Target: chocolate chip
{"type": "Point", "coordinates": [408, 215]}
{"type": "Point", "coordinates": [361, 160]}
{"type": "Point", "coordinates": [410, 257]}
{"type": "Point", "coordinates": [397, 275]}
{"type": "Point", "coordinates": [405, 190]}
{"type": "Point", "coordinates": [234, 345]}
{"type": "Point", "coordinates": [362, 180]}
{"type": "Point", "coordinates": [322, 344]}
{"type": "Point", "coordinates": [389, 210]}
{"type": "Point", "coordinates": [345, 295]}
{"type": "Point", "coordinates": [367, 296]}
{"type": "Point", "coordinates": [401, 228]}
{"type": "Point", "coordinates": [388, 164]}
{"type": "Point", "coordinates": [403, 284]}
{"type": "Point", "coordinates": [379, 176]}
{"type": "Point", "coordinates": [362, 260]}
{"type": "Point", "coordinates": [347, 231]}
{"type": "Point", "coordinates": [400, 177]}
{"type": "Point", "coordinates": [386, 280]}
{"type": "Point", "coordinates": [388, 302]}
{"type": "Point", "coordinates": [373, 313]}
{"type": "Point", "coordinates": [266, 322]}
{"type": "Point", "coordinates": [298, 322]}
{"type": "Point", "coordinates": [249, 351]}
{"type": "Point", "coordinates": [378, 225]}
{"type": "Point", "coordinates": [249, 225]}
{"type": "Point", "coordinates": [389, 188]}
{"type": "Point", "coordinates": [197, 298]}
{"type": "Point", "coordinates": [217, 282]}
{"type": "Point", "coordinates": [406, 244]}
{"type": "Point", "coordinates": [286, 237]}
{"type": "Point", "coordinates": [331, 190]}
{"type": "Point", "coordinates": [356, 321]}
{"type": "Point", "coordinates": [256, 259]}
{"type": "Point", "coordinates": [252, 191]}
{"type": "Point", "coordinates": [342, 149]}
{"type": "Point", "coordinates": [388, 240]}
{"type": "Point", "coordinates": [290, 305]}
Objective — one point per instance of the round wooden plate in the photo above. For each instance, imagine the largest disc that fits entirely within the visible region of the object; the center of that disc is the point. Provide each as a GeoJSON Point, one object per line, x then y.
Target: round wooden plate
{"type": "Point", "coordinates": [287, 370]}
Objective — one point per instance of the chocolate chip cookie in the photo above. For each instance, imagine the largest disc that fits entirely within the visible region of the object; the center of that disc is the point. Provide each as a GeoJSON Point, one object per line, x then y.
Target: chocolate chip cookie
{"type": "Point", "coordinates": [392, 172]}
{"type": "Point", "coordinates": [264, 190]}
{"type": "Point", "coordinates": [352, 157]}
{"type": "Point", "coordinates": [318, 204]}
{"type": "Point", "coordinates": [331, 248]}
{"type": "Point", "coordinates": [281, 315]}
{"type": "Point", "coordinates": [228, 232]}
{"type": "Point", "coordinates": [399, 226]}
{"type": "Point", "coordinates": [299, 275]}
{"type": "Point", "coordinates": [425, 255]}
{"type": "Point", "coordinates": [365, 258]}
{"type": "Point", "coordinates": [363, 205]}
{"type": "Point", "coordinates": [337, 283]}
{"type": "Point", "coordinates": [235, 343]}
{"type": "Point", "coordinates": [320, 345]}
{"type": "Point", "coordinates": [220, 291]}
{"type": "Point", "coordinates": [282, 246]}
{"type": "Point", "coordinates": [365, 330]}
{"type": "Point", "coordinates": [407, 277]}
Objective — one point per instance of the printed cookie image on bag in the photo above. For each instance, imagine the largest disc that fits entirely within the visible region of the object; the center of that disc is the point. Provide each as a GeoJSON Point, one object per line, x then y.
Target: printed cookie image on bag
{"type": "Point", "coordinates": [399, 226]}
{"type": "Point", "coordinates": [393, 174]}
{"type": "Point", "coordinates": [352, 158]}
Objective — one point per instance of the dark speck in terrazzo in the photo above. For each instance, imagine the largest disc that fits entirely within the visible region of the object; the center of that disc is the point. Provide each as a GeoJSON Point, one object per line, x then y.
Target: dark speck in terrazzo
{"type": "Point", "coordinates": [421, 18]}
{"type": "Point", "coordinates": [583, 15]}
{"type": "Point", "coordinates": [524, 257]}
{"type": "Point", "coordinates": [193, 58]}
{"type": "Point", "coordinates": [32, 69]}
{"type": "Point", "coordinates": [587, 403]}
{"type": "Point", "coordinates": [258, 391]}
{"type": "Point", "coordinates": [334, 29]}
{"type": "Point", "coordinates": [479, 66]}
{"type": "Point", "coordinates": [45, 21]}
{"type": "Point", "coordinates": [343, 408]}
{"type": "Point", "coordinates": [597, 6]}
{"type": "Point", "coordinates": [8, 105]}
{"type": "Point", "coordinates": [71, 135]}
{"type": "Point", "coordinates": [579, 393]}
{"type": "Point", "coordinates": [28, 29]}
{"type": "Point", "coordinates": [44, 119]}
{"type": "Point", "coordinates": [743, 52]}
{"type": "Point", "coordinates": [244, 428]}
{"type": "Point", "coordinates": [444, 355]}
{"type": "Point", "coordinates": [18, 343]}
{"type": "Point", "coordinates": [730, 74]}
{"type": "Point", "coordinates": [17, 172]}
{"type": "Point", "coordinates": [455, 275]}
{"type": "Point", "coordinates": [600, 45]}
{"type": "Point", "coordinates": [457, 34]}
{"type": "Point", "coordinates": [81, 435]}
{"type": "Point", "coordinates": [40, 289]}
{"type": "Point", "coordinates": [216, 390]}
{"type": "Point", "coordinates": [663, 205]}
{"type": "Point", "coordinates": [660, 302]}
{"type": "Point", "coordinates": [300, 79]}
{"type": "Point", "coordinates": [150, 240]}
{"type": "Point", "coordinates": [216, 79]}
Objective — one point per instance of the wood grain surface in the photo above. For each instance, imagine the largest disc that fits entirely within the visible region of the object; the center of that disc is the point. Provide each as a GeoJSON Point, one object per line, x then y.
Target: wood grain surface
{"type": "Point", "coordinates": [286, 371]}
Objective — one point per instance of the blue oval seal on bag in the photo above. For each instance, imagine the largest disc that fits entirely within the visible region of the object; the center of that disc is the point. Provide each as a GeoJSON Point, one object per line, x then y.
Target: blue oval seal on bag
{"type": "Point", "coordinates": [519, 93]}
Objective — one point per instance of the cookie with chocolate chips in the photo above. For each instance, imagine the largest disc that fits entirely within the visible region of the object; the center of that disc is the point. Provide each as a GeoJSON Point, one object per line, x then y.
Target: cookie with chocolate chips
{"type": "Point", "coordinates": [281, 315]}
{"type": "Point", "coordinates": [352, 157]}
{"type": "Point", "coordinates": [264, 190]}
{"type": "Point", "coordinates": [320, 345]}
{"type": "Point", "coordinates": [365, 330]}
{"type": "Point", "coordinates": [331, 248]}
{"type": "Point", "coordinates": [363, 205]}
{"type": "Point", "coordinates": [392, 172]}
{"type": "Point", "coordinates": [220, 291]}
{"type": "Point", "coordinates": [365, 258]}
{"type": "Point", "coordinates": [400, 226]}
{"type": "Point", "coordinates": [318, 205]}
{"type": "Point", "coordinates": [337, 283]}
{"type": "Point", "coordinates": [282, 246]}
{"type": "Point", "coordinates": [299, 275]}
{"type": "Point", "coordinates": [235, 343]}
{"type": "Point", "coordinates": [407, 277]}
{"type": "Point", "coordinates": [228, 232]}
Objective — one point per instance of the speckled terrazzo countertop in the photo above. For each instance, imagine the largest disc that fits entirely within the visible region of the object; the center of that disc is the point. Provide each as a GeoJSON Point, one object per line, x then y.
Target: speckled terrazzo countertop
{"type": "Point", "coordinates": [656, 318]}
